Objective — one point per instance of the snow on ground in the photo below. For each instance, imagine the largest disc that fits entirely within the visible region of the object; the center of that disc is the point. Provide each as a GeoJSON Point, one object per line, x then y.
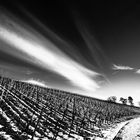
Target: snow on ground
{"type": "Point", "coordinates": [111, 132]}
{"type": "Point", "coordinates": [5, 136]}
{"type": "Point", "coordinates": [132, 130]}
{"type": "Point", "coordinates": [1, 126]}
{"type": "Point", "coordinates": [4, 115]}
{"type": "Point", "coordinates": [128, 130]}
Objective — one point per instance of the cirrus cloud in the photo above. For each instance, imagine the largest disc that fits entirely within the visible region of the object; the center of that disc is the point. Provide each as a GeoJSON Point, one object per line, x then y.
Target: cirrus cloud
{"type": "Point", "coordinates": [121, 67]}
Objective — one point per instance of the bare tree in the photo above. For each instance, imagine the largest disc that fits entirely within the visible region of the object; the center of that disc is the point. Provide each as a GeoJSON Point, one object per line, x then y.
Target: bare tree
{"type": "Point", "coordinates": [123, 100]}
{"type": "Point", "coordinates": [112, 99]}
{"type": "Point", "coordinates": [130, 100]}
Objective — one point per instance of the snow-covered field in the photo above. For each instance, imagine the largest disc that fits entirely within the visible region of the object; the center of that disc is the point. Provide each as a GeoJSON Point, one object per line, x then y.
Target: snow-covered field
{"type": "Point", "coordinates": [110, 133]}
{"type": "Point", "coordinates": [127, 130]}
{"type": "Point", "coordinates": [131, 131]}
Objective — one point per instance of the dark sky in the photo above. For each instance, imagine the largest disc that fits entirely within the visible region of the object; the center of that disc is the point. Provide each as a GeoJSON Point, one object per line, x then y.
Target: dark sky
{"type": "Point", "coordinates": [114, 25]}
{"type": "Point", "coordinates": [101, 36]}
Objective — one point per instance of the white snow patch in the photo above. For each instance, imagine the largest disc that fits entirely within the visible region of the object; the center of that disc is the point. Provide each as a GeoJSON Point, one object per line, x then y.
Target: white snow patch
{"type": "Point", "coordinates": [14, 127]}
{"type": "Point", "coordinates": [132, 130]}
{"type": "Point", "coordinates": [4, 115]}
{"type": "Point", "coordinates": [1, 126]}
{"type": "Point", "coordinates": [50, 135]}
{"type": "Point", "coordinates": [77, 137]}
{"type": "Point", "coordinates": [45, 138]}
{"type": "Point", "coordinates": [5, 136]}
{"type": "Point", "coordinates": [112, 131]}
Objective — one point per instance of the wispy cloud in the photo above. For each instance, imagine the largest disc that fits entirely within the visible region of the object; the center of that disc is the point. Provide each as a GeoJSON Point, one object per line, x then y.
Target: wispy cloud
{"type": "Point", "coordinates": [36, 82]}
{"type": "Point", "coordinates": [42, 52]}
{"type": "Point", "coordinates": [125, 68]}
{"type": "Point", "coordinates": [121, 67]}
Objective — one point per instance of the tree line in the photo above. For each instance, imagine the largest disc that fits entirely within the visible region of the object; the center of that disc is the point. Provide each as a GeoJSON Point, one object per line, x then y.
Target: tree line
{"type": "Point", "coordinates": [124, 101]}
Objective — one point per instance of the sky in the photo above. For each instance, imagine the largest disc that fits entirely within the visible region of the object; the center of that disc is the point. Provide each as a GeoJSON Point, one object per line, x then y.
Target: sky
{"type": "Point", "coordinates": [87, 48]}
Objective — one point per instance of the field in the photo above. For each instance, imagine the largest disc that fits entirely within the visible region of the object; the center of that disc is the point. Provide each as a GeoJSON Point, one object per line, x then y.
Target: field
{"type": "Point", "coordinates": [30, 112]}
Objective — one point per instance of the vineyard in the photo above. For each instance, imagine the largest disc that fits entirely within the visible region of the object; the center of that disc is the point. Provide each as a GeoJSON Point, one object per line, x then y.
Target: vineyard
{"type": "Point", "coordinates": [30, 112]}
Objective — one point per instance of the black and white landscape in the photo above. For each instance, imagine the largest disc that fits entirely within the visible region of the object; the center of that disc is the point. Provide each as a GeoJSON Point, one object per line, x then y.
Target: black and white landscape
{"type": "Point", "coordinates": [32, 112]}
{"type": "Point", "coordinates": [69, 70]}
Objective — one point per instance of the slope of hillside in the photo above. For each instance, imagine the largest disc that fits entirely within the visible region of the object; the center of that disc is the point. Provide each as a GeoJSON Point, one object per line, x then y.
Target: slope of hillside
{"type": "Point", "coordinates": [31, 112]}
